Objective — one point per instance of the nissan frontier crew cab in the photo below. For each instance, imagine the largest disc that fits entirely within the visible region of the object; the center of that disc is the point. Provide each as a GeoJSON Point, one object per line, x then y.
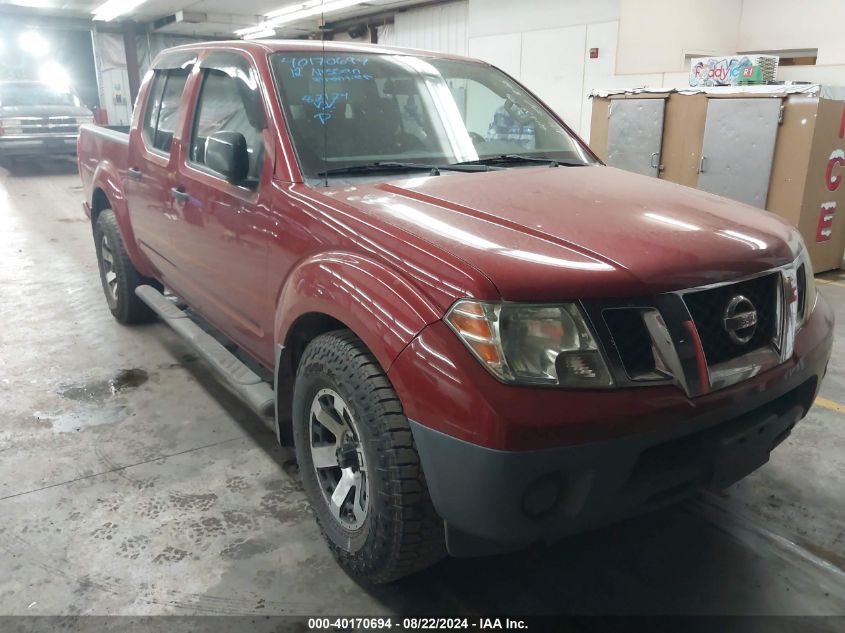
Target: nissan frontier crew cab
{"type": "Point", "coordinates": [479, 336]}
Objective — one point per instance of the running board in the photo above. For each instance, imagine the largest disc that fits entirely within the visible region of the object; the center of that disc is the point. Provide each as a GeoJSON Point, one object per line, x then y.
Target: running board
{"type": "Point", "coordinates": [240, 378]}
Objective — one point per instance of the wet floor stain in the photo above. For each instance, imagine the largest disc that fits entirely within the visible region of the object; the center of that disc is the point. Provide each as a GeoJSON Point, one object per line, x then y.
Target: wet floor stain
{"type": "Point", "coordinates": [94, 402]}
{"type": "Point", "coordinates": [98, 391]}
{"type": "Point", "coordinates": [243, 549]}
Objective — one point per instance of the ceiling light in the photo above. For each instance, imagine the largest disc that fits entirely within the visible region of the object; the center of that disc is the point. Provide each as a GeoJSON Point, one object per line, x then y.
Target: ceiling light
{"type": "Point", "coordinates": [112, 8]}
{"type": "Point", "coordinates": [33, 43]}
{"type": "Point", "coordinates": [286, 15]}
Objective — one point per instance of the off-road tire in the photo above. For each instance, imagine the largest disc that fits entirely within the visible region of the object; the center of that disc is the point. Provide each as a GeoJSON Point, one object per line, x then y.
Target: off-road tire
{"type": "Point", "coordinates": [401, 533]}
{"type": "Point", "coordinates": [126, 307]}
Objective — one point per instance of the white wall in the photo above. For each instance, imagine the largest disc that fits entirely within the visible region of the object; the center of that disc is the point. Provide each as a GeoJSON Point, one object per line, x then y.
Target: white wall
{"type": "Point", "coordinates": [599, 72]}
{"type": "Point", "coordinates": [789, 24]}
{"type": "Point", "coordinates": [492, 17]}
{"type": "Point", "coordinates": [545, 44]}
{"type": "Point", "coordinates": [441, 28]}
{"type": "Point", "coordinates": [655, 35]}
{"type": "Point", "coordinates": [503, 51]}
{"type": "Point", "coordinates": [552, 64]}
{"type": "Point", "coordinates": [642, 43]}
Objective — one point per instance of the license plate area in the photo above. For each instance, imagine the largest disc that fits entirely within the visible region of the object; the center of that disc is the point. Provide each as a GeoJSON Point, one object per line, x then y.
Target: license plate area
{"type": "Point", "coordinates": [743, 451]}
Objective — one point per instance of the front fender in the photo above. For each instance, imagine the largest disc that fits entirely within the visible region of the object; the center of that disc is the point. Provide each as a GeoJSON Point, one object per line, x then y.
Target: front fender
{"type": "Point", "coordinates": [107, 179]}
{"type": "Point", "coordinates": [384, 309]}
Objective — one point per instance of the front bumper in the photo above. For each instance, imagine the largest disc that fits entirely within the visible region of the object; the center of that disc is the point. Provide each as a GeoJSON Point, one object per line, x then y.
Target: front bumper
{"type": "Point", "coordinates": [509, 466]}
{"type": "Point", "coordinates": [38, 144]}
{"type": "Point", "coordinates": [495, 501]}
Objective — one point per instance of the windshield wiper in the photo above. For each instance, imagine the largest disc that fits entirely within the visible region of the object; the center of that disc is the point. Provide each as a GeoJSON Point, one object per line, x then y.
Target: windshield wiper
{"type": "Point", "coordinates": [503, 159]}
{"type": "Point", "coordinates": [399, 166]}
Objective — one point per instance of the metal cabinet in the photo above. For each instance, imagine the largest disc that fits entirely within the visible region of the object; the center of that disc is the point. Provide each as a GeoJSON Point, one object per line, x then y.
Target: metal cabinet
{"type": "Point", "coordinates": [635, 135]}
{"type": "Point", "coordinates": [738, 148]}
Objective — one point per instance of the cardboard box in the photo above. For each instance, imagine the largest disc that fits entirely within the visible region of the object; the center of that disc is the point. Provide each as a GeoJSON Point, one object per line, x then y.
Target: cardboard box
{"type": "Point", "coordinates": [807, 181]}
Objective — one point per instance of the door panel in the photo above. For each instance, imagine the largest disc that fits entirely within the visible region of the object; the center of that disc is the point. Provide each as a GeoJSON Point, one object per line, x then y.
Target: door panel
{"type": "Point", "coordinates": [221, 258]}
{"type": "Point", "coordinates": [223, 229]}
{"type": "Point", "coordinates": [148, 178]}
{"type": "Point", "coordinates": [635, 135]}
{"type": "Point", "coordinates": [738, 148]}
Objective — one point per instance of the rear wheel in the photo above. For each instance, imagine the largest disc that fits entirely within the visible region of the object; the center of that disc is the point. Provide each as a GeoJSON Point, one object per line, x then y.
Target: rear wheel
{"type": "Point", "coordinates": [117, 274]}
{"type": "Point", "coordinates": [358, 463]}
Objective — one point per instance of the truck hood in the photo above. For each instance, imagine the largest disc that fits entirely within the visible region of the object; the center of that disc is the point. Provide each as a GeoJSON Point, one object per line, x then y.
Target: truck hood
{"type": "Point", "coordinates": [44, 111]}
{"type": "Point", "coordinates": [541, 233]}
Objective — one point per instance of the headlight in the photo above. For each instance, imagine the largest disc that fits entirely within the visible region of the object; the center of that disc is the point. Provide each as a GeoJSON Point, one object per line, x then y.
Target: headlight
{"type": "Point", "coordinates": [531, 344]}
{"type": "Point", "coordinates": [85, 120]}
{"type": "Point", "coordinates": [806, 288]}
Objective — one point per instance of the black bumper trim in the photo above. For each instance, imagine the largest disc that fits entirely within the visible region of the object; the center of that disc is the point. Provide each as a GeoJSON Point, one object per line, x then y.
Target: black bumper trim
{"type": "Point", "coordinates": [494, 501]}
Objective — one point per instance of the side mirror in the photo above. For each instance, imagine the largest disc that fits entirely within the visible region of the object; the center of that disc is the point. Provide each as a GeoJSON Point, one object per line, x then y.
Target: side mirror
{"type": "Point", "coordinates": [226, 153]}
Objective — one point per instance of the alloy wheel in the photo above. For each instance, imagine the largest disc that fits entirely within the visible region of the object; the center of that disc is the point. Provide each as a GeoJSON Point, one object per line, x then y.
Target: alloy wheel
{"type": "Point", "coordinates": [338, 457]}
{"type": "Point", "coordinates": [109, 274]}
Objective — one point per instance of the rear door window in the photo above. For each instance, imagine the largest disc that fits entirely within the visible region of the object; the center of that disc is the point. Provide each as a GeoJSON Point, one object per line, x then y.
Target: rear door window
{"type": "Point", "coordinates": [162, 107]}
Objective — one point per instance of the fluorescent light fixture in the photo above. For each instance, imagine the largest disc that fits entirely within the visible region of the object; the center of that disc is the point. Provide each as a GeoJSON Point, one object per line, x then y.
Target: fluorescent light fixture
{"type": "Point", "coordinates": [113, 8]}
{"type": "Point", "coordinates": [33, 43]}
{"type": "Point", "coordinates": [296, 12]}
{"type": "Point", "coordinates": [259, 32]}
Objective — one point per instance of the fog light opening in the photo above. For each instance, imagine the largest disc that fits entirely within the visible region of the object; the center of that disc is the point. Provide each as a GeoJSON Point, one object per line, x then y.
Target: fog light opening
{"type": "Point", "coordinates": [542, 496]}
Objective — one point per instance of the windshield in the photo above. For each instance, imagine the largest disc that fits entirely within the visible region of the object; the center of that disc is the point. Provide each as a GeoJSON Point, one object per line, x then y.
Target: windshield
{"type": "Point", "coordinates": [34, 94]}
{"type": "Point", "coordinates": [361, 109]}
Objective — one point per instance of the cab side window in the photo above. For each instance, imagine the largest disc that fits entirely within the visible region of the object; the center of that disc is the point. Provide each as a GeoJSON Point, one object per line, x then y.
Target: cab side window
{"type": "Point", "coordinates": [162, 107]}
{"type": "Point", "coordinates": [228, 104]}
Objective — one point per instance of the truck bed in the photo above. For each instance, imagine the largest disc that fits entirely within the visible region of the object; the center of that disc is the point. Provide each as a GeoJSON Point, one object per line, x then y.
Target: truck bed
{"type": "Point", "coordinates": [103, 147]}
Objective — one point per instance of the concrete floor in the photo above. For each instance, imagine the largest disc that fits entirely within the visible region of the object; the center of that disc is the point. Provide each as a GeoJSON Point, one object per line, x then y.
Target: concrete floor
{"type": "Point", "coordinates": [153, 491]}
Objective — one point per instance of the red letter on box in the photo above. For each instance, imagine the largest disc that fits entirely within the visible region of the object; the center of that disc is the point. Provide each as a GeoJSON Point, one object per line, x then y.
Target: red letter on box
{"type": "Point", "coordinates": [825, 227]}
{"type": "Point", "coordinates": [842, 123]}
{"type": "Point", "coordinates": [837, 159]}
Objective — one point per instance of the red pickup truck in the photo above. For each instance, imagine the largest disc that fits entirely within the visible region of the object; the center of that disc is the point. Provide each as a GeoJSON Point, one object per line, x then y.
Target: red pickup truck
{"type": "Point", "coordinates": [479, 335]}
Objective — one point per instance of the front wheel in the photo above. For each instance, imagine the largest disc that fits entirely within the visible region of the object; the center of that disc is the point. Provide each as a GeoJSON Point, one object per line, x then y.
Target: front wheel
{"type": "Point", "coordinates": [358, 463]}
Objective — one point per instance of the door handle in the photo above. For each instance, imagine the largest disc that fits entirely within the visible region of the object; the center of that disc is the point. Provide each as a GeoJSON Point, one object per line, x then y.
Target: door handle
{"type": "Point", "coordinates": [179, 195]}
{"type": "Point", "coordinates": [134, 173]}
{"type": "Point", "coordinates": [701, 164]}
{"type": "Point", "coordinates": [655, 160]}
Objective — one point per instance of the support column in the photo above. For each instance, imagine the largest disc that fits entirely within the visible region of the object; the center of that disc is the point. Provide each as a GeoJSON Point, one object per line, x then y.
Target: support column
{"type": "Point", "coordinates": [130, 47]}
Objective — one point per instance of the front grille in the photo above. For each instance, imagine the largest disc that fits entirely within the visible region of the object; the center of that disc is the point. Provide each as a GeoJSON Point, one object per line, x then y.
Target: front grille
{"type": "Point", "coordinates": [707, 308]}
{"type": "Point", "coordinates": [631, 340]}
{"type": "Point", "coordinates": [50, 125]}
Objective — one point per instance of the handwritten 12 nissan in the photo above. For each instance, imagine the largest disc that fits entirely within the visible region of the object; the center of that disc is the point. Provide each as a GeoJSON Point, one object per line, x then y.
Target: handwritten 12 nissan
{"type": "Point", "coordinates": [479, 335]}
